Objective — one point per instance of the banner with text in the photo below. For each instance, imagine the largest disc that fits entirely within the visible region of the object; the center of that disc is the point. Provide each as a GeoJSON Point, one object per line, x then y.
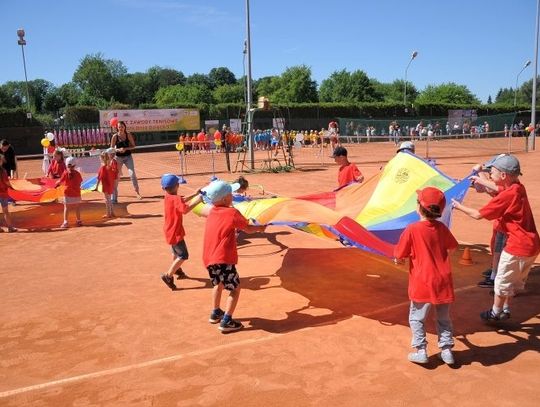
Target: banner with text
{"type": "Point", "coordinates": [153, 119]}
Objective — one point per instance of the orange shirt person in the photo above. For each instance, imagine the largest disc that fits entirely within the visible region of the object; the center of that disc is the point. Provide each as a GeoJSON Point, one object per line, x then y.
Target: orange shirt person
{"type": "Point", "coordinates": [348, 172]}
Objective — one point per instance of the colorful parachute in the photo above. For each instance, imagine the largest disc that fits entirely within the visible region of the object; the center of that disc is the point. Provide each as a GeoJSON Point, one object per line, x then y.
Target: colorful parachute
{"type": "Point", "coordinates": [43, 189]}
{"type": "Point", "coordinates": [370, 216]}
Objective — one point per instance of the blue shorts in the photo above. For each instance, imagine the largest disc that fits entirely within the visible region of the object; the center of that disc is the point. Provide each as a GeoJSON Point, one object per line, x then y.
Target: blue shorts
{"type": "Point", "coordinates": [180, 250]}
{"type": "Point", "coordinates": [500, 242]}
{"type": "Point", "coordinates": [4, 202]}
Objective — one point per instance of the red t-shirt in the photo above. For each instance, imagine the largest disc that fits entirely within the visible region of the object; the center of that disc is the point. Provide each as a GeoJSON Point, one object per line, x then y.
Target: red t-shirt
{"type": "Point", "coordinates": [73, 182]}
{"type": "Point", "coordinates": [217, 135]}
{"type": "Point", "coordinates": [107, 176]}
{"type": "Point", "coordinates": [220, 235]}
{"type": "Point", "coordinates": [201, 136]}
{"type": "Point", "coordinates": [114, 168]}
{"type": "Point", "coordinates": [511, 207]}
{"type": "Point", "coordinates": [426, 244]}
{"type": "Point", "coordinates": [348, 173]}
{"type": "Point", "coordinates": [4, 182]}
{"type": "Point", "coordinates": [173, 228]}
{"type": "Point", "coordinates": [56, 169]}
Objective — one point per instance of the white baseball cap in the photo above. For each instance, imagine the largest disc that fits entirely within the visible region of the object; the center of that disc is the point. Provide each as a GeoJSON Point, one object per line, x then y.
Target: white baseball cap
{"type": "Point", "coordinates": [70, 161]}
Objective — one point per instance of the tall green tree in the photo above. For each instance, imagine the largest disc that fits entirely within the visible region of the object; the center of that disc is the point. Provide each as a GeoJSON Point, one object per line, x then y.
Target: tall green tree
{"type": "Point", "coordinates": [178, 95]}
{"type": "Point", "coordinates": [295, 86]}
{"type": "Point", "coordinates": [199, 79]}
{"type": "Point", "coordinates": [447, 93]}
{"type": "Point", "coordinates": [505, 95]}
{"type": "Point", "coordinates": [70, 93]}
{"type": "Point", "coordinates": [233, 93]}
{"type": "Point", "coordinates": [221, 76]}
{"type": "Point", "coordinates": [99, 77]}
{"type": "Point", "coordinates": [162, 77]}
{"type": "Point", "coordinates": [393, 92]}
{"type": "Point", "coordinates": [344, 86]}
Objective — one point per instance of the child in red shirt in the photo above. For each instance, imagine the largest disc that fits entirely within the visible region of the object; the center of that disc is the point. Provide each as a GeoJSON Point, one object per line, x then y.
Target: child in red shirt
{"type": "Point", "coordinates": [220, 254]}
{"type": "Point", "coordinates": [72, 180]}
{"type": "Point", "coordinates": [427, 244]}
{"type": "Point", "coordinates": [57, 166]}
{"type": "Point", "coordinates": [4, 197]}
{"type": "Point", "coordinates": [511, 207]}
{"type": "Point", "coordinates": [175, 207]}
{"type": "Point", "coordinates": [107, 177]}
{"type": "Point", "coordinates": [348, 172]}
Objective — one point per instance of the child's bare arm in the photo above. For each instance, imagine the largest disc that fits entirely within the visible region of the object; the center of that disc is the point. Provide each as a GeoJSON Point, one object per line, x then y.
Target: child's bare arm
{"type": "Point", "coordinates": [255, 229]}
{"type": "Point", "coordinates": [473, 213]}
{"type": "Point", "coordinates": [194, 200]}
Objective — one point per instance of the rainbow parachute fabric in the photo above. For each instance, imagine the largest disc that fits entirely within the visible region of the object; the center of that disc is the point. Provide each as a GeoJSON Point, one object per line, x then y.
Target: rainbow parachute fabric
{"type": "Point", "coordinates": [370, 216]}
{"type": "Point", "coordinates": [43, 189]}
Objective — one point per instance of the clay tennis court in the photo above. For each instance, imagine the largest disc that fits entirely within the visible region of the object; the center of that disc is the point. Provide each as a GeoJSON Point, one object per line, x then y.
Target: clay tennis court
{"type": "Point", "coordinates": [87, 321]}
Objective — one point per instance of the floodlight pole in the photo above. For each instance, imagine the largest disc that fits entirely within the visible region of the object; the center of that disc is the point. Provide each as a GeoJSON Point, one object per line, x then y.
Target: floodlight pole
{"type": "Point", "coordinates": [249, 112]}
{"type": "Point", "coordinates": [22, 43]}
{"type": "Point", "coordinates": [532, 137]}
{"type": "Point", "coordinates": [517, 80]}
{"type": "Point", "coordinates": [413, 55]}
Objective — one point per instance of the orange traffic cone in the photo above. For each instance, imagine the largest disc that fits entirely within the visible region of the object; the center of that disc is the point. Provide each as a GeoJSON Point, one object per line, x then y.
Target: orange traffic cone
{"type": "Point", "coordinates": [466, 259]}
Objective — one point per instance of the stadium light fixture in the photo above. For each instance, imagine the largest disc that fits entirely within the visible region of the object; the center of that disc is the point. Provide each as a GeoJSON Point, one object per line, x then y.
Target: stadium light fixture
{"type": "Point", "coordinates": [413, 56]}
{"type": "Point", "coordinates": [22, 43]}
{"type": "Point", "coordinates": [517, 79]}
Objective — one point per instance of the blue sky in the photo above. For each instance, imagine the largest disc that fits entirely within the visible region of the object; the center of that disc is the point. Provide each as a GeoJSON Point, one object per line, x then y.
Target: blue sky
{"type": "Point", "coordinates": [479, 43]}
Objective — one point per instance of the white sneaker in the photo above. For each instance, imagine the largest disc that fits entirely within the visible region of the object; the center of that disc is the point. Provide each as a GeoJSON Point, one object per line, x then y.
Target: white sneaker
{"type": "Point", "coordinates": [420, 356]}
{"type": "Point", "coordinates": [447, 356]}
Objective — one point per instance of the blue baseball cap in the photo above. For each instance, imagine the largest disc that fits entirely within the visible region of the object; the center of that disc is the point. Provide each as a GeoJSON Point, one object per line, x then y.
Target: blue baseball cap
{"type": "Point", "coordinates": [217, 190]}
{"type": "Point", "coordinates": [169, 181]}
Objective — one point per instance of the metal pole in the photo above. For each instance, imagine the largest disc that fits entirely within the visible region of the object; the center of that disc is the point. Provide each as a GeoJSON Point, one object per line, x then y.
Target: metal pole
{"type": "Point", "coordinates": [414, 54]}
{"type": "Point", "coordinates": [249, 93]}
{"type": "Point", "coordinates": [532, 136]}
{"type": "Point", "coordinates": [517, 80]}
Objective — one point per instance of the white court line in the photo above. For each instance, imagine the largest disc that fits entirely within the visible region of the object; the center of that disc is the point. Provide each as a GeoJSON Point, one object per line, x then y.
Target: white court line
{"type": "Point", "coordinates": [174, 358]}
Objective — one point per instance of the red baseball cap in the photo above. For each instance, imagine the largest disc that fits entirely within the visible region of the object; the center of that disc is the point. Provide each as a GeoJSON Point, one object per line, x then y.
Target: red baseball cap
{"type": "Point", "coordinates": [432, 199]}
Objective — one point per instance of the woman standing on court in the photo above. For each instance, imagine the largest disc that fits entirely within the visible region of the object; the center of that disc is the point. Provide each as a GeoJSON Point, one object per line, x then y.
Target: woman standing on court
{"type": "Point", "coordinates": [123, 142]}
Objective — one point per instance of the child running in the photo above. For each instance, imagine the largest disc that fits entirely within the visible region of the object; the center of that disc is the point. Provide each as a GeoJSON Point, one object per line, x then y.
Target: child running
{"type": "Point", "coordinates": [57, 166]}
{"type": "Point", "coordinates": [72, 180]}
{"type": "Point", "coordinates": [106, 177]}
{"type": "Point", "coordinates": [220, 253]}
{"type": "Point", "coordinates": [511, 207]}
{"type": "Point", "coordinates": [4, 197]}
{"type": "Point", "coordinates": [427, 244]}
{"type": "Point", "coordinates": [348, 172]}
{"type": "Point", "coordinates": [175, 207]}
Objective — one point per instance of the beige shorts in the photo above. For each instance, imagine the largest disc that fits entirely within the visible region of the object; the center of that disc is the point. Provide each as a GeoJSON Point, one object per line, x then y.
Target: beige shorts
{"type": "Point", "coordinates": [512, 273]}
{"type": "Point", "coordinates": [69, 200]}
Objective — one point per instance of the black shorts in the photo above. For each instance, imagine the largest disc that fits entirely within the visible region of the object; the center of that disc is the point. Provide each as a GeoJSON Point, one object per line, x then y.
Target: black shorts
{"type": "Point", "coordinates": [225, 274]}
{"type": "Point", "coordinates": [180, 250]}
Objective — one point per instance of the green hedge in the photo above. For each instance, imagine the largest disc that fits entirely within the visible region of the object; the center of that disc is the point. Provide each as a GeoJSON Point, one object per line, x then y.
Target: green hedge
{"type": "Point", "coordinates": [74, 115]}
{"type": "Point", "coordinates": [16, 118]}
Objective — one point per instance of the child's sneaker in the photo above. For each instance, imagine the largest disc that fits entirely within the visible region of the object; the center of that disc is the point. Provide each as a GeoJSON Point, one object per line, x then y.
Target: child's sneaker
{"type": "Point", "coordinates": [216, 316]}
{"type": "Point", "coordinates": [230, 326]}
{"type": "Point", "coordinates": [505, 314]}
{"type": "Point", "coordinates": [180, 274]}
{"type": "Point", "coordinates": [420, 356]}
{"type": "Point", "coordinates": [11, 229]}
{"type": "Point", "coordinates": [169, 281]}
{"type": "Point", "coordinates": [64, 225]}
{"type": "Point", "coordinates": [447, 357]}
{"type": "Point", "coordinates": [79, 223]}
{"type": "Point", "coordinates": [487, 273]}
{"type": "Point", "coordinates": [489, 315]}
{"type": "Point", "coordinates": [487, 283]}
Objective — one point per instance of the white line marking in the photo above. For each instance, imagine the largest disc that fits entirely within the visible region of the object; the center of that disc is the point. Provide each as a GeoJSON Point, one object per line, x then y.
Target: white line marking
{"type": "Point", "coordinates": [174, 358]}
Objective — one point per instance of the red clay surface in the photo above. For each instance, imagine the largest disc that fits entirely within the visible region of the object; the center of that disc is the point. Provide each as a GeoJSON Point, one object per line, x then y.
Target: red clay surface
{"type": "Point", "coordinates": [87, 321]}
